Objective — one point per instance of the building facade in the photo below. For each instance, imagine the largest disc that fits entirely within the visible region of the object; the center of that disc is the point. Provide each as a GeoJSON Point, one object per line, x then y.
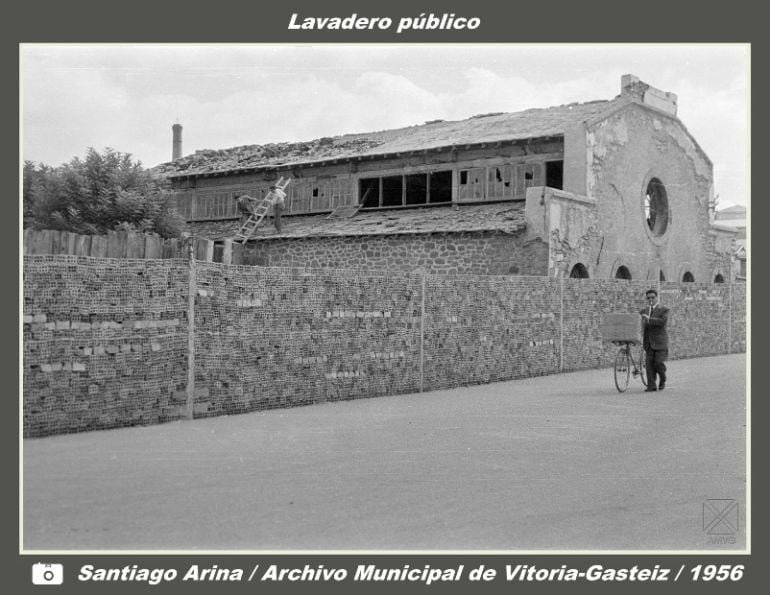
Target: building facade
{"type": "Point", "coordinates": [611, 188]}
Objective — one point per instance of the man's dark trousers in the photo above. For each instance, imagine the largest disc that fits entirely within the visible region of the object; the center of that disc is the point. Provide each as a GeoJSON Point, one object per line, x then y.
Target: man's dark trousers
{"type": "Point", "coordinates": [655, 364]}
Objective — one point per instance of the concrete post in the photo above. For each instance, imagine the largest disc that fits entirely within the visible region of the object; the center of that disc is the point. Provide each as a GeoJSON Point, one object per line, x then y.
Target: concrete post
{"type": "Point", "coordinates": [191, 331]}
{"type": "Point", "coordinates": [227, 251]}
{"type": "Point", "coordinates": [561, 324]}
{"type": "Point", "coordinates": [730, 318]}
{"type": "Point", "coordinates": [422, 335]}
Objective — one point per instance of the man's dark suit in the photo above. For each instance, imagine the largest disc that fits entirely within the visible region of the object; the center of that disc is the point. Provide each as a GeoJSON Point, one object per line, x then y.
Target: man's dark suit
{"type": "Point", "coordinates": [656, 344]}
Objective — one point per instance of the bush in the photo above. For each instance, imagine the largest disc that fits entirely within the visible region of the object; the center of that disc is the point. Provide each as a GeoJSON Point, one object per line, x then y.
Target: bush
{"type": "Point", "coordinates": [102, 192]}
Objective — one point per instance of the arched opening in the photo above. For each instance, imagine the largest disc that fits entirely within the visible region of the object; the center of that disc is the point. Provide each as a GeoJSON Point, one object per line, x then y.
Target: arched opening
{"type": "Point", "coordinates": [719, 278]}
{"type": "Point", "coordinates": [662, 277]}
{"type": "Point", "coordinates": [688, 278]}
{"type": "Point", "coordinates": [579, 271]}
{"type": "Point", "coordinates": [623, 273]}
{"type": "Point", "coordinates": [656, 213]}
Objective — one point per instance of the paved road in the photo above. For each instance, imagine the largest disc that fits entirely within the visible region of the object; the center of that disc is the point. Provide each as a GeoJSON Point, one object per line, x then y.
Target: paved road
{"type": "Point", "coordinates": [560, 462]}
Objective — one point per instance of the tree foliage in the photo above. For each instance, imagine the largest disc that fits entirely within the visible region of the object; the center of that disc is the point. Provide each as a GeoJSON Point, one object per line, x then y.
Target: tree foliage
{"type": "Point", "coordinates": [101, 192]}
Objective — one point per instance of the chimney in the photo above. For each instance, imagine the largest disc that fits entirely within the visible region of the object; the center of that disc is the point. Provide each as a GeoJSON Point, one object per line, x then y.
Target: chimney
{"type": "Point", "coordinates": [631, 86]}
{"type": "Point", "coordinates": [176, 151]}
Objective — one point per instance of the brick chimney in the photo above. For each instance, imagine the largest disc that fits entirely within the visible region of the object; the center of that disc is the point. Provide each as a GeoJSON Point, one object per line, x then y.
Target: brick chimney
{"type": "Point", "coordinates": [631, 86]}
{"type": "Point", "coordinates": [176, 150]}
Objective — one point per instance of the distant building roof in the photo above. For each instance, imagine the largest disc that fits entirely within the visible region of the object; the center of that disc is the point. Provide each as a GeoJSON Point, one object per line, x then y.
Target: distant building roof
{"type": "Point", "coordinates": [734, 212]}
{"type": "Point", "coordinates": [507, 217]}
{"type": "Point", "coordinates": [488, 128]}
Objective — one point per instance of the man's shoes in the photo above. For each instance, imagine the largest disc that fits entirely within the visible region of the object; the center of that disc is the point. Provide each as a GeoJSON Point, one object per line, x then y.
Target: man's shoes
{"type": "Point", "coordinates": [662, 385]}
{"type": "Point", "coordinates": [650, 389]}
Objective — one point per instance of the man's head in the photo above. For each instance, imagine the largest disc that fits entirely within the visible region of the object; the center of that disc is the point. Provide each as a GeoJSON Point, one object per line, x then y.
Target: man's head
{"type": "Point", "coordinates": [651, 295]}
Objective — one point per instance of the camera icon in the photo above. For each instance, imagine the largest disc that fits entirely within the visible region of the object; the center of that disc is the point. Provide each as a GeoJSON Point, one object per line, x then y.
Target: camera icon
{"type": "Point", "coordinates": [47, 574]}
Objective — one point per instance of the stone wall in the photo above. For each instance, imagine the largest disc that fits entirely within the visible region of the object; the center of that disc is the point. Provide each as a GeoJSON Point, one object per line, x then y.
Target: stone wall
{"type": "Point", "coordinates": [474, 253]}
{"type": "Point", "coordinates": [105, 341]}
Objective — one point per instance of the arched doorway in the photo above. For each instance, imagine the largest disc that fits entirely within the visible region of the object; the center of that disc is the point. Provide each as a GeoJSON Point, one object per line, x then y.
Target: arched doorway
{"type": "Point", "coordinates": [579, 271]}
{"type": "Point", "coordinates": [623, 273]}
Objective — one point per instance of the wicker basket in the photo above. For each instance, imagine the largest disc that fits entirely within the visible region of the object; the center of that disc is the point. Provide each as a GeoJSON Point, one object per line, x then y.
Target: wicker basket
{"type": "Point", "coordinates": [621, 327]}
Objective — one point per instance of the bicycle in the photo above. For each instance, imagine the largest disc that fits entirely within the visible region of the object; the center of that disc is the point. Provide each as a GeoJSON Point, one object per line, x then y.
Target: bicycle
{"type": "Point", "coordinates": [627, 365]}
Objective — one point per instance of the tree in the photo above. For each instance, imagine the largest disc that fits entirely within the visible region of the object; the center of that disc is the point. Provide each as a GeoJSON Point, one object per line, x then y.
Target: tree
{"type": "Point", "coordinates": [104, 191]}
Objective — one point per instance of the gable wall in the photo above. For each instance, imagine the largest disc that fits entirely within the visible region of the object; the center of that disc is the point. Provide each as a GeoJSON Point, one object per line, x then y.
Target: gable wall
{"type": "Point", "coordinates": [624, 152]}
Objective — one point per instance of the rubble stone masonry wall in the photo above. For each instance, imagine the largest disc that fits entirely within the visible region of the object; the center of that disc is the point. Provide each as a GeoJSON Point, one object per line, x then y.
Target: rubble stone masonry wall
{"type": "Point", "coordinates": [106, 341]}
{"type": "Point", "coordinates": [471, 253]}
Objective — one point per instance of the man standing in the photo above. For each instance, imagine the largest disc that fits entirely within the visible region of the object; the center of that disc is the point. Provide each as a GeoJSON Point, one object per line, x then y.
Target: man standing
{"type": "Point", "coordinates": [655, 319]}
{"type": "Point", "coordinates": [277, 197]}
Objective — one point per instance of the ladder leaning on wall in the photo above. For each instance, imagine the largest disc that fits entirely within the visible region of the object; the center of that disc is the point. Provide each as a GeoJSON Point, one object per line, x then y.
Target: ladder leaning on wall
{"type": "Point", "coordinates": [249, 227]}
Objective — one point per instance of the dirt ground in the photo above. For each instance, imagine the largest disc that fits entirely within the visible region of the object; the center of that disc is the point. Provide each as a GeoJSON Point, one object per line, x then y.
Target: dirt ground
{"type": "Point", "coordinates": [561, 462]}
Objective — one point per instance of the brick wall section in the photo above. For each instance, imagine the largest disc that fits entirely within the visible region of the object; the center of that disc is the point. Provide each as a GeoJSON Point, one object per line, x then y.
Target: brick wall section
{"type": "Point", "coordinates": [700, 318]}
{"type": "Point", "coordinates": [278, 337]}
{"type": "Point", "coordinates": [105, 341]}
{"type": "Point", "coordinates": [475, 253]}
{"type": "Point", "coordinates": [485, 329]}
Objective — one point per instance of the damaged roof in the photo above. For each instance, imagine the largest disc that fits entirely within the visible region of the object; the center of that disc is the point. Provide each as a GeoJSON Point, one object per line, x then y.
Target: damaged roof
{"type": "Point", "coordinates": [507, 217]}
{"type": "Point", "coordinates": [439, 134]}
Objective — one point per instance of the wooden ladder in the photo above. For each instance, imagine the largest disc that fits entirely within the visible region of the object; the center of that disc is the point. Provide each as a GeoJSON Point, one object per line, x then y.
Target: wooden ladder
{"type": "Point", "coordinates": [249, 227]}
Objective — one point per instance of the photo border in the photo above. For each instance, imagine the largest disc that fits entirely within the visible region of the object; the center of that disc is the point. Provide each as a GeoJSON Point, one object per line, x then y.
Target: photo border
{"type": "Point", "coordinates": [228, 21]}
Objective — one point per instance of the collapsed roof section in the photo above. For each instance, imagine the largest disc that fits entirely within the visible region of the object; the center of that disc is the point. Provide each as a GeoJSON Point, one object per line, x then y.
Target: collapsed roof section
{"type": "Point", "coordinates": [496, 217]}
{"type": "Point", "coordinates": [436, 135]}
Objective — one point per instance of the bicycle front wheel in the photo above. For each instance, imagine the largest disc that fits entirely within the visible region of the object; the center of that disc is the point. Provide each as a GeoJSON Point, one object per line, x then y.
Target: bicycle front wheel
{"type": "Point", "coordinates": [622, 370]}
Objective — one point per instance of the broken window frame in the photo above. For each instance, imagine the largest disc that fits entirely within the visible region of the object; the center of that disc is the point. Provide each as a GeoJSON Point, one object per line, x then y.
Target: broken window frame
{"type": "Point", "coordinates": [501, 181]}
{"type": "Point", "coordinates": [377, 182]}
{"type": "Point", "coordinates": [318, 195]}
{"type": "Point", "coordinates": [470, 184]}
{"type": "Point", "coordinates": [506, 181]}
{"type": "Point", "coordinates": [209, 205]}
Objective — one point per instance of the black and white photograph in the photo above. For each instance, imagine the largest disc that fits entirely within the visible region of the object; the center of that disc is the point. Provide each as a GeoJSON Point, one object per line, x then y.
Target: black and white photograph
{"type": "Point", "coordinates": [385, 298]}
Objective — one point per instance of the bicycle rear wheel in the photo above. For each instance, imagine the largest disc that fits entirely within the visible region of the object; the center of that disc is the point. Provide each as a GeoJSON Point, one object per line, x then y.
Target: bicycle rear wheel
{"type": "Point", "coordinates": [622, 369]}
{"type": "Point", "coordinates": [642, 359]}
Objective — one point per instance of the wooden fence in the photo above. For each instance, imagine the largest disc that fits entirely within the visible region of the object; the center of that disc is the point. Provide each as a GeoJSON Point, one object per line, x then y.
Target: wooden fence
{"type": "Point", "coordinates": [126, 244]}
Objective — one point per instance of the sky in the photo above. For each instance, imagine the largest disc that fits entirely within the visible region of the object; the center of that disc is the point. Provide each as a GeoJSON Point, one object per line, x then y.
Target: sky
{"type": "Point", "coordinates": [127, 97]}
